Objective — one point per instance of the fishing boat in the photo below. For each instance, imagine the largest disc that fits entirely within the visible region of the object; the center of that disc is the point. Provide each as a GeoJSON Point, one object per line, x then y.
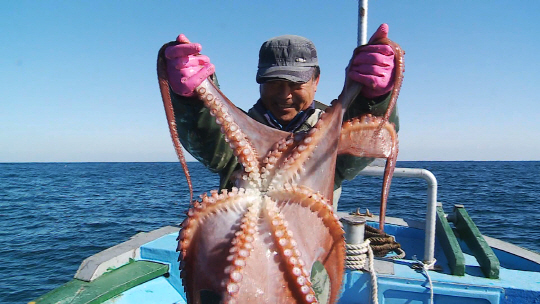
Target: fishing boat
{"type": "Point", "coordinates": [442, 259]}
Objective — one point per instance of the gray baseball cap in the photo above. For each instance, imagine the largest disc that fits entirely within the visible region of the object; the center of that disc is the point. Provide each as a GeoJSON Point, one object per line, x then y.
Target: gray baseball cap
{"type": "Point", "coordinates": [287, 57]}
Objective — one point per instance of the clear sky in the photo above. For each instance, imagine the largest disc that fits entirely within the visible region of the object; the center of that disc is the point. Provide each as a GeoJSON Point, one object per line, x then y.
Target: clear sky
{"type": "Point", "coordinates": [78, 80]}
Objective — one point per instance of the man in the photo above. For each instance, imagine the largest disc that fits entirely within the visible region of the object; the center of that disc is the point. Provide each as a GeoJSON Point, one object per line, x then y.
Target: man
{"type": "Point", "coordinates": [288, 74]}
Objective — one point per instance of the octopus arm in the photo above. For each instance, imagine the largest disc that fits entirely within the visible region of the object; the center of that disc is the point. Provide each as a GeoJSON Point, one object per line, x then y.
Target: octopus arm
{"type": "Point", "coordinates": [368, 136]}
{"type": "Point", "coordinates": [259, 137]}
{"type": "Point", "coordinates": [371, 136]}
{"type": "Point", "coordinates": [311, 207]}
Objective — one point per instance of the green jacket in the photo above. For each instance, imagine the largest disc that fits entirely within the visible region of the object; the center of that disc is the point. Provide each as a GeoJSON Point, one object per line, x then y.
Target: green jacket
{"type": "Point", "coordinates": [201, 137]}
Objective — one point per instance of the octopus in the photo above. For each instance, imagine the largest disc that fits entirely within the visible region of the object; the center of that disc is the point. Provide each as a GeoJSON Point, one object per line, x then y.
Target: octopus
{"type": "Point", "coordinates": [260, 241]}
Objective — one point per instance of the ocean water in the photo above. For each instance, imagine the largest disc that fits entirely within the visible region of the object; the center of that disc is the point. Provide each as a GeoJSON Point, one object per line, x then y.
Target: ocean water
{"type": "Point", "coordinates": [54, 215]}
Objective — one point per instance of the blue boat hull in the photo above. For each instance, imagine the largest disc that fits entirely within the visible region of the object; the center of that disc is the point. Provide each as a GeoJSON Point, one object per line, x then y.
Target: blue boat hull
{"type": "Point", "coordinates": [398, 281]}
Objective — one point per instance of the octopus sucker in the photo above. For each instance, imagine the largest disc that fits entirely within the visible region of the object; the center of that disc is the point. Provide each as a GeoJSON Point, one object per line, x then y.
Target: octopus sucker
{"type": "Point", "coordinates": [201, 91]}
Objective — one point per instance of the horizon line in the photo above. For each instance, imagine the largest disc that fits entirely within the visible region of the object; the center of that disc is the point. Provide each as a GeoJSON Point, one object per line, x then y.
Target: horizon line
{"type": "Point", "coordinates": [191, 161]}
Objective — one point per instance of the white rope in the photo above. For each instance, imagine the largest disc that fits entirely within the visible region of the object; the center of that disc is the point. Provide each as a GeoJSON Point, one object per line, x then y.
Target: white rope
{"type": "Point", "coordinates": [425, 268]}
{"type": "Point", "coordinates": [356, 260]}
{"type": "Point", "coordinates": [356, 255]}
{"type": "Point", "coordinates": [374, 291]}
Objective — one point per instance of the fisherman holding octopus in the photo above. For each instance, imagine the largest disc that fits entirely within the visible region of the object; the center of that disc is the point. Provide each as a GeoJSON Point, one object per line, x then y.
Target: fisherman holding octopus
{"type": "Point", "coordinates": [288, 75]}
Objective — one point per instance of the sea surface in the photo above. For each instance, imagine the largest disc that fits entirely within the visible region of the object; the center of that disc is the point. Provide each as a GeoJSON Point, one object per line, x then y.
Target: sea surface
{"type": "Point", "coordinates": [54, 215]}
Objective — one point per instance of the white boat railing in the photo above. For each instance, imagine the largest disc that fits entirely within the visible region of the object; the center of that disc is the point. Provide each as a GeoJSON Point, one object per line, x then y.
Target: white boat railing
{"type": "Point", "coordinates": [429, 244]}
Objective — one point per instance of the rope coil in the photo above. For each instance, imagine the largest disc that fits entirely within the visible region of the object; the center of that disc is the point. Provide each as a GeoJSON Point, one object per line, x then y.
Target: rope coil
{"type": "Point", "coordinates": [357, 254]}
{"type": "Point", "coordinates": [380, 244]}
{"type": "Point", "coordinates": [375, 244]}
{"type": "Point", "coordinates": [383, 243]}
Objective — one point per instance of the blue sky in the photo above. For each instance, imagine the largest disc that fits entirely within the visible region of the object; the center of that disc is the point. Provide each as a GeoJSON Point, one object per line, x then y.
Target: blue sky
{"type": "Point", "coordinates": [78, 79]}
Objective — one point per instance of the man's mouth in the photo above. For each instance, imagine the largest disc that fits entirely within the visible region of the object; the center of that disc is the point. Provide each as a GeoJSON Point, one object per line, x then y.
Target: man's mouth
{"type": "Point", "coordinates": [284, 105]}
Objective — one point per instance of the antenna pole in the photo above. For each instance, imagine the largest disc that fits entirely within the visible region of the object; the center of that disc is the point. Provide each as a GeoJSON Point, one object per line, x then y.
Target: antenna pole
{"type": "Point", "coordinates": [362, 22]}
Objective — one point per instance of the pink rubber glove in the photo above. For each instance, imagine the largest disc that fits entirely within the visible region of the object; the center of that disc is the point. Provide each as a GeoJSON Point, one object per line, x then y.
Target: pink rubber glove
{"type": "Point", "coordinates": [373, 65]}
{"type": "Point", "coordinates": [186, 68]}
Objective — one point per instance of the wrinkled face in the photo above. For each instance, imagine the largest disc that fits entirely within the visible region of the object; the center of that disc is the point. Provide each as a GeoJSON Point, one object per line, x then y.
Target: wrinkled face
{"type": "Point", "coordinates": [285, 99]}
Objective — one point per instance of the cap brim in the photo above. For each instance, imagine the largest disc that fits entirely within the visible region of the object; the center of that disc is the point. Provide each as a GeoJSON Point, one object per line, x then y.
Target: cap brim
{"type": "Point", "coordinates": [288, 73]}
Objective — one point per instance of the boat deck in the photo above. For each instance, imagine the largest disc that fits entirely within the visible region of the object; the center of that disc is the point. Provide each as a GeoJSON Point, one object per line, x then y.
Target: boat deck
{"type": "Point", "coordinates": [398, 281]}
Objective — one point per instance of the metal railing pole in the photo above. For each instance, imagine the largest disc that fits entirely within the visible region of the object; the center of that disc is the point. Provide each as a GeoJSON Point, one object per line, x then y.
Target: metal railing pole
{"type": "Point", "coordinates": [429, 244]}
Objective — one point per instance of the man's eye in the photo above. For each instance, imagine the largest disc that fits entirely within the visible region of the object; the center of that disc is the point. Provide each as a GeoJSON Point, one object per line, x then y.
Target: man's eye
{"type": "Point", "coordinates": [275, 84]}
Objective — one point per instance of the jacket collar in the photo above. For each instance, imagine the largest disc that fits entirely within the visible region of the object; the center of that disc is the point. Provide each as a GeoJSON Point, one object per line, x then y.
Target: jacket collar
{"type": "Point", "coordinates": [292, 126]}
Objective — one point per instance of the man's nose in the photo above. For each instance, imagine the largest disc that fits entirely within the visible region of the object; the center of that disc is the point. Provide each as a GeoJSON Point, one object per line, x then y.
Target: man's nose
{"type": "Point", "coordinates": [285, 89]}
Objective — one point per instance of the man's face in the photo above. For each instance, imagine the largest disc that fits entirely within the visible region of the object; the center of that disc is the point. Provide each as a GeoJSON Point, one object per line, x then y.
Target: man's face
{"type": "Point", "coordinates": [285, 99]}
